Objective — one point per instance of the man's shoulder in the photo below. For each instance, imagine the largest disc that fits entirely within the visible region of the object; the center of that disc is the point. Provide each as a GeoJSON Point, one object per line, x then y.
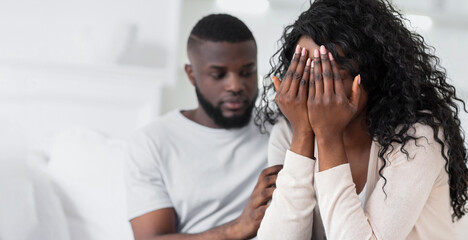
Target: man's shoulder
{"type": "Point", "coordinates": [164, 120]}
{"type": "Point", "coordinates": [159, 126]}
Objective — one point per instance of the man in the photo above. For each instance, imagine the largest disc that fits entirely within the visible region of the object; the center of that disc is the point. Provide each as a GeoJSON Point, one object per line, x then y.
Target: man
{"type": "Point", "coordinates": [197, 174]}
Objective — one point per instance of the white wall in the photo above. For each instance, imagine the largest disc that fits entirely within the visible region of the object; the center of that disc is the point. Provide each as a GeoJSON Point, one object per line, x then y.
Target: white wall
{"type": "Point", "coordinates": [94, 64]}
{"type": "Point", "coordinates": [103, 32]}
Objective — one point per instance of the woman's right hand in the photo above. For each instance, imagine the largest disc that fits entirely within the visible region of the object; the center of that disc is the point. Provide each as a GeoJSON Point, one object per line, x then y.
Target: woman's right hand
{"type": "Point", "coordinates": [291, 97]}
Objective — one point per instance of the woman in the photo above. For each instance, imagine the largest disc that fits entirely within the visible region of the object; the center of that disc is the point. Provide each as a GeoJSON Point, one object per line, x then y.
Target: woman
{"type": "Point", "coordinates": [391, 157]}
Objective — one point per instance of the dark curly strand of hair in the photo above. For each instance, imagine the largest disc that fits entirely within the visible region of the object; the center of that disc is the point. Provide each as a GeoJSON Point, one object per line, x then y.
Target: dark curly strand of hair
{"type": "Point", "coordinates": [404, 80]}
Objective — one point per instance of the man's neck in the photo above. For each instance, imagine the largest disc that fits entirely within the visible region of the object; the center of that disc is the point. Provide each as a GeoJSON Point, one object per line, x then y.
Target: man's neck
{"type": "Point", "coordinates": [199, 116]}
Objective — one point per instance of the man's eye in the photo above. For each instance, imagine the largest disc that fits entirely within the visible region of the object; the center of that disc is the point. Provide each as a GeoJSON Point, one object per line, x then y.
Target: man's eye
{"type": "Point", "coordinates": [217, 75]}
{"type": "Point", "coordinates": [246, 74]}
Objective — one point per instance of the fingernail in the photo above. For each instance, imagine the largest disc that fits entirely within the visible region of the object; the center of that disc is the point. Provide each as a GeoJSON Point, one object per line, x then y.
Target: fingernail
{"type": "Point", "coordinates": [312, 65]}
{"type": "Point", "coordinates": [358, 79]}
{"type": "Point", "coordinates": [323, 50]}
{"type": "Point", "coordinates": [298, 49]}
{"type": "Point", "coordinates": [316, 53]}
{"type": "Point", "coordinates": [330, 56]}
{"type": "Point", "coordinates": [275, 79]}
{"type": "Point", "coordinates": [308, 62]}
{"type": "Point", "coordinates": [303, 52]}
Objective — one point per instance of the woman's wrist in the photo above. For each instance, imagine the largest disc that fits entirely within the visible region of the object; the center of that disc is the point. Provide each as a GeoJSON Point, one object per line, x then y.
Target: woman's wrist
{"type": "Point", "coordinates": [303, 143]}
{"type": "Point", "coordinates": [328, 137]}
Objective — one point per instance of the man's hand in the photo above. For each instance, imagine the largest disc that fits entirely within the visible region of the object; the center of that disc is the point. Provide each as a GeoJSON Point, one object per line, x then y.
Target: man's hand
{"type": "Point", "coordinates": [161, 224]}
{"type": "Point", "coordinates": [247, 224]}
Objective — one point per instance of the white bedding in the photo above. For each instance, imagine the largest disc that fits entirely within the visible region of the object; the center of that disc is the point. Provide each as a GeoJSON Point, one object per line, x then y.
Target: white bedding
{"type": "Point", "coordinates": [77, 194]}
{"type": "Point", "coordinates": [29, 207]}
{"type": "Point", "coordinates": [87, 168]}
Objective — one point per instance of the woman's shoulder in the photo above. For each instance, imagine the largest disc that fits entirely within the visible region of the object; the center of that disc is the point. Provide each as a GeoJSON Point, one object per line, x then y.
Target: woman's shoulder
{"type": "Point", "coordinates": [425, 135]}
{"type": "Point", "coordinates": [282, 130]}
{"type": "Point", "coordinates": [280, 141]}
{"type": "Point", "coordinates": [419, 142]}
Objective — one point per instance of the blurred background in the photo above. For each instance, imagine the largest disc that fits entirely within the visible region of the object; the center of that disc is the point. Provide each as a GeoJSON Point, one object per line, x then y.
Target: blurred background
{"type": "Point", "coordinates": [78, 76]}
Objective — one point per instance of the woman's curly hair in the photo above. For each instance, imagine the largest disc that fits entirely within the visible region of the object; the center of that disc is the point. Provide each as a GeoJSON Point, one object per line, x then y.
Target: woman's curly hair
{"type": "Point", "coordinates": [403, 78]}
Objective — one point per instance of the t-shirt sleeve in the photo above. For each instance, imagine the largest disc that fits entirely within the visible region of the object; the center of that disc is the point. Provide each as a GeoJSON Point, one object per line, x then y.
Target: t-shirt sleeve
{"type": "Point", "coordinates": [279, 143]}
{"type": "Point", "coordinates": [145, 187]}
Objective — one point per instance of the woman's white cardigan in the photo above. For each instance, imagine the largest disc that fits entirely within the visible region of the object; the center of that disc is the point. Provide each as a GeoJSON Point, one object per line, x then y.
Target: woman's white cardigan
{"type": "Point", "coordinates": [306, 203]}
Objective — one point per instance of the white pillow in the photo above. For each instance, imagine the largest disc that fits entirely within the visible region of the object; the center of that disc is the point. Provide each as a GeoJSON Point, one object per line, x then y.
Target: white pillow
{"type": "Point", "coordinates": [29, 208]}
{"type": "Point", "coordinates": [88, 170]}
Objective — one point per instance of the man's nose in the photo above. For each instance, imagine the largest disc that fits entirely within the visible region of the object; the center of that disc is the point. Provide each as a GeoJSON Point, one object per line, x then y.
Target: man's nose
{"type": "Point", "coordinates": [234, 83]}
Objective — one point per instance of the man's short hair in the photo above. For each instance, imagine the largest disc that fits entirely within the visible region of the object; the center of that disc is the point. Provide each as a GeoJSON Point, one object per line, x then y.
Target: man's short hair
{"type": "Point", "coordinates": [219, 28]}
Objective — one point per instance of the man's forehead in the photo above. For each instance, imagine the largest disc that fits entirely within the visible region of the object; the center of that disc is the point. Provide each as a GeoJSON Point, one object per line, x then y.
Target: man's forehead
{"type": "Point", "coordinates": [210, 51]}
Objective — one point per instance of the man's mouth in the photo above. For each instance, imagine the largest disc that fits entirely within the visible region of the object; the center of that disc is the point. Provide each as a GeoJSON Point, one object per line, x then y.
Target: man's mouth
{"type": "Point", "coordinates": [233, 105]}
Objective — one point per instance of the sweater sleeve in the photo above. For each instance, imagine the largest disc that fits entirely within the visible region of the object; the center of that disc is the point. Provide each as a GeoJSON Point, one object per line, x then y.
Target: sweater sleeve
{"type": "Point", "coordinates": [280, 140]}
{"type": "Point", "coordinates": [388, 215]}
{"type": "Point", "coordinates": [289, 215]}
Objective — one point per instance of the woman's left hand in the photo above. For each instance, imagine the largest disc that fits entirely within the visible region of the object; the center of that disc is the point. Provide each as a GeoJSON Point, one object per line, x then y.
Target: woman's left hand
{"type": "Point", "coordinates": [329, 109]}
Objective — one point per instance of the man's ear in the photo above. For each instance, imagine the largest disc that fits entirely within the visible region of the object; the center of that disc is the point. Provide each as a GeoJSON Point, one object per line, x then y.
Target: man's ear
{"type": "Point", "coordinates": [189, 71]}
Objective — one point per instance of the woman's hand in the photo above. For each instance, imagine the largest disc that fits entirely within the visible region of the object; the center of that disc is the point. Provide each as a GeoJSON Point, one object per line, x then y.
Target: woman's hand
{"type": "Point", "coordinates": [291, 93]}
{"type": "Point", "coordinates": [329, 109]}
{"type": "Point", "coordinates": [291, 97]}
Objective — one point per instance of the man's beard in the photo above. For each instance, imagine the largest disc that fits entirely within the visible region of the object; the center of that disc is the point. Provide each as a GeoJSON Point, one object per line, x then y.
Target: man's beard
{"type": "Point", "coordinates": [216, 114]}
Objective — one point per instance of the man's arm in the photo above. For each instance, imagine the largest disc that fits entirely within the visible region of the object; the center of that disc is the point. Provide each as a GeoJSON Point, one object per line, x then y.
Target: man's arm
{"type": "Point", "coordinates": [161, 224]}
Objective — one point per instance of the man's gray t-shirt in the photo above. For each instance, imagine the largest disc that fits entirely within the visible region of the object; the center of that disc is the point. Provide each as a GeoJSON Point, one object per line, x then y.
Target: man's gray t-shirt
{"type": "Point", "coordinates": [207, 175]}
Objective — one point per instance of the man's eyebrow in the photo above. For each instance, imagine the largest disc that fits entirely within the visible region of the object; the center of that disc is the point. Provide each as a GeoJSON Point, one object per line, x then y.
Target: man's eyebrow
{"type": "Point", "coordinates": [248, 65]}
{"type": "Point", "coordinates": [218, 67]}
